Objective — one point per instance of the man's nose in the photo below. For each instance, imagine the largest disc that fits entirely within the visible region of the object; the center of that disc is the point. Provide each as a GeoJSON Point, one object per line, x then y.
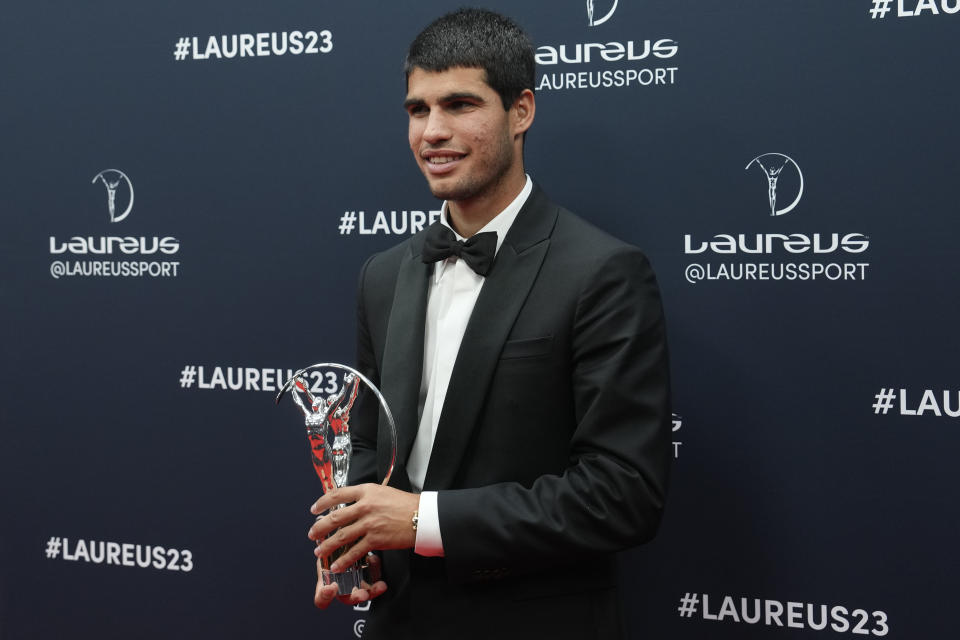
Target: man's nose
{"type": "Point", "coordinates": [437, 128]}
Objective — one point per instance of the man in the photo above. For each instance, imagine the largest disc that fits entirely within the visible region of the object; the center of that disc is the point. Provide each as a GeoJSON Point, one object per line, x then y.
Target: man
{"type": "Point", "coordinates": [532, 398]}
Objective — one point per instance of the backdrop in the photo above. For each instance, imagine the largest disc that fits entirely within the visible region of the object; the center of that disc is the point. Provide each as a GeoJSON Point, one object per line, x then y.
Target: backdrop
{"type": "Point", "coordinates": [189, 189]}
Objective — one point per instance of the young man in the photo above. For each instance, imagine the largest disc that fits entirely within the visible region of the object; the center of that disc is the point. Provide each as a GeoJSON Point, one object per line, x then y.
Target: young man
{"type": "Point", "coordinates": [526, 367]}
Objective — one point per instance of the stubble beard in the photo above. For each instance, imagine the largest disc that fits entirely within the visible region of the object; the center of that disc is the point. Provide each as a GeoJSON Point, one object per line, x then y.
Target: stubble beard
{"type": "Point", "coordinates": [485, 179]}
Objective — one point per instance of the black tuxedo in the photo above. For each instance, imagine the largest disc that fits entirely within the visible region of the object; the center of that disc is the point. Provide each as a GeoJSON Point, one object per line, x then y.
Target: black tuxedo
{"type": "Point", "coordinates": [553, 445]}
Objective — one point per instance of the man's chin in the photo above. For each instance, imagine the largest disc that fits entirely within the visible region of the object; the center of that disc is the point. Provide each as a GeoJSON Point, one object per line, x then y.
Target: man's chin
{"type": "Point", "coordinates": [450, 191]}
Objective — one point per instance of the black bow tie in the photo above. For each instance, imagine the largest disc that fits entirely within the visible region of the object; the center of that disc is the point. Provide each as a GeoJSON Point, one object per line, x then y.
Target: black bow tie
{"type": "Point", "coordinates": [477, 251]}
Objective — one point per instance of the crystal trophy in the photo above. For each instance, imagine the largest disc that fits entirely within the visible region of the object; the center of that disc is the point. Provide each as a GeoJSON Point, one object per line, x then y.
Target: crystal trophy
{"type": "Point", "coordinates": [327, 419]}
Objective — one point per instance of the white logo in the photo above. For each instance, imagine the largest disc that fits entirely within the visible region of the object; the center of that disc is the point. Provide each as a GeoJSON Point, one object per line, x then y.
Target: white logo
{"type": "Point", "coordinates": [598, 21]}
{"type": "Point", "coordinates": [111, 179]}
{"type": "Point", "coordinates": [616, 64]}
{"type": "Point", "coordinates": [772, 165]}
{"type": "Point", "coordinates": [778, 255]}
{"type": "Point", "coordinates": [114, 256]}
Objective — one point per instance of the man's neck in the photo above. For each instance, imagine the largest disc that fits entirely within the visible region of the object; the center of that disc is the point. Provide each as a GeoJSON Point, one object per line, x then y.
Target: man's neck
{"type": "Point", "coordinates": [469, 216]}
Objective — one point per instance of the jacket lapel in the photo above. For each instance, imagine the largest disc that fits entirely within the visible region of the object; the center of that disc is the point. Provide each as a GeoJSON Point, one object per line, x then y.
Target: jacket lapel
{"type": "Point", "coordinates": [403, 360]}
{"type": "Point", "coordinates": [503, 294]}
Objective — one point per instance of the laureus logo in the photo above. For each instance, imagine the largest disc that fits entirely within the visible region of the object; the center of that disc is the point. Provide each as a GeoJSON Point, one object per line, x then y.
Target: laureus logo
{"type": "Point", "coordinates": [592, 19]}
{"type": "Point", "coordinates": [112, 179]}
{"type": "Point", "coordinates": [773, 166]}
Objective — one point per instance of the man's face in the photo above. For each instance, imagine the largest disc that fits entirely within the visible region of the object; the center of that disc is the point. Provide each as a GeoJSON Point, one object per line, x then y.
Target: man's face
{"type": "Point", "coordinates": [459, 132]}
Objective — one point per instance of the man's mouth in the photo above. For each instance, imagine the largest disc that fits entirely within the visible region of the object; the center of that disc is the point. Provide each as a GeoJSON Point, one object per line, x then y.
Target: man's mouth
{"type": "Point", "coordinates": [438, 157]}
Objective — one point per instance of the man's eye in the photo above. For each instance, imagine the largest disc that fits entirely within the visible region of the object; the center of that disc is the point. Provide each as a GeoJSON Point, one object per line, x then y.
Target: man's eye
{"type": "Point", "coordinates": [417, 110]}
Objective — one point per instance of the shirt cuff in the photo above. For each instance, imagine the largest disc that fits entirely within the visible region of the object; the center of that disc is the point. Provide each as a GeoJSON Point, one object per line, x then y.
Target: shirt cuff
{"type": "Point", "coordinates": [429, 542]}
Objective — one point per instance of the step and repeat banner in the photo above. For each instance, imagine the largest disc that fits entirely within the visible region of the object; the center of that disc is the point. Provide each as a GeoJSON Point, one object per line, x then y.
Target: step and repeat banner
{"type": "Point", "coordinates": [190, 188]}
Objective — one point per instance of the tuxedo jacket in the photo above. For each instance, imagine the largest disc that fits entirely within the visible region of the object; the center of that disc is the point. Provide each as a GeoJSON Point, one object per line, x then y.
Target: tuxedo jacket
{"type": "Point", "coordinates": [553, 446]}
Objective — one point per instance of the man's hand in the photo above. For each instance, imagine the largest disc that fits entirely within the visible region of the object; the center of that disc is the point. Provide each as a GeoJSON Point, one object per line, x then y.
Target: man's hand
{"type": "Point", "coordinates": [379, 518]}
{"type": "Point", "coordinates": [325, 593]}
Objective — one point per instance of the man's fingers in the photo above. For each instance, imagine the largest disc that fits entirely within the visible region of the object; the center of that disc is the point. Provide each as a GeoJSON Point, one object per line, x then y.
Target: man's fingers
{"type": "Point", "coordinates": [360, 595]}
{"type": "Point", "coordinates": [351, 555]}
{"type": "Point", "coordinates": [368, 592]}
{"type": "Point", "coordinates": [342, 538]}
{"type": "Point", "coordinates": [324, 594]}
{"type": "Point", "coordinates": [327, 593]}
{"type": "Point", "coordinates": [343, 495]}
{"type": "Point", "coordinates": [337, 518]}
{"type": "Point", "coordinates": [377, 588]}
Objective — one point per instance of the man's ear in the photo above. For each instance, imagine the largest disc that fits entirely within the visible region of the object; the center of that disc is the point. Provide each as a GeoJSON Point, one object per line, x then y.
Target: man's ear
{"type": "Point", "coordinates": [522, 112]}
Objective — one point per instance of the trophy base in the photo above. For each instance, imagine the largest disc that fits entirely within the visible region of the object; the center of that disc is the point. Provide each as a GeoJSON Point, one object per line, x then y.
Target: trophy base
{"type": "Point", "coordinates": [346, 581]}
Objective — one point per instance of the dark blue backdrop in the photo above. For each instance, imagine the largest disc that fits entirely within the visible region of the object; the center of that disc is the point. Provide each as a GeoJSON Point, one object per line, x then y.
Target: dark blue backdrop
{"type": "Point", "coordinates": [814, 442]}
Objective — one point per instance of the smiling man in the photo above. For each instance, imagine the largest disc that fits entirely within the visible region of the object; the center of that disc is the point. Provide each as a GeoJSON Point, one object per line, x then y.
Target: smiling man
{"type": "Point", "coordinates": [467, 142]}
{"type": "Point", "coordinates": [523, 353]}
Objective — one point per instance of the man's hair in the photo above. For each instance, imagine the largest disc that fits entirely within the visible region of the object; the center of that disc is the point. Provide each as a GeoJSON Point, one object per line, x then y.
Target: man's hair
{"type": "Point", "coordinates": [477, 38]}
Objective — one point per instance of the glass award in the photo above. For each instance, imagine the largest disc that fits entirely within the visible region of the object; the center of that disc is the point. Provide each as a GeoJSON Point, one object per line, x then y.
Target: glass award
{"type": "Point", "coordinates": [325, 400]}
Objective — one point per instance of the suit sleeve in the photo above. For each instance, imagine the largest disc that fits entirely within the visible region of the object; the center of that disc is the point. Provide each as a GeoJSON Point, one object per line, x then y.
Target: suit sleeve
{"type": "Point", "coordinates": [611, 496]}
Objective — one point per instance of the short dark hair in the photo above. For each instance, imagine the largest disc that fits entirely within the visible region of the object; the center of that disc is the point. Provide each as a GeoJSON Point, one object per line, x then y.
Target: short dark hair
{"type": "Point", "coordinates": [477, 38]}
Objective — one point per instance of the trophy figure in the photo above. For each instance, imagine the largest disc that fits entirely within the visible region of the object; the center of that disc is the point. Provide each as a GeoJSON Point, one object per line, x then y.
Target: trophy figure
{"type": "Point", "coordinates": [327, 420]}
{"type": "Point", "coordinates": [327, 423]}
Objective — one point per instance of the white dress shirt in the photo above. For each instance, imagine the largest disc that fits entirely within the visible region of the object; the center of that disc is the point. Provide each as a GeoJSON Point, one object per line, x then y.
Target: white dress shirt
{"type": "Point", "coordinates": [453, 292]}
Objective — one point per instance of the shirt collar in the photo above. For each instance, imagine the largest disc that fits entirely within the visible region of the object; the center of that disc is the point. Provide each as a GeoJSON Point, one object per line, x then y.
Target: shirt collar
{"type": "Point", "coordinates": [500, 223]}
